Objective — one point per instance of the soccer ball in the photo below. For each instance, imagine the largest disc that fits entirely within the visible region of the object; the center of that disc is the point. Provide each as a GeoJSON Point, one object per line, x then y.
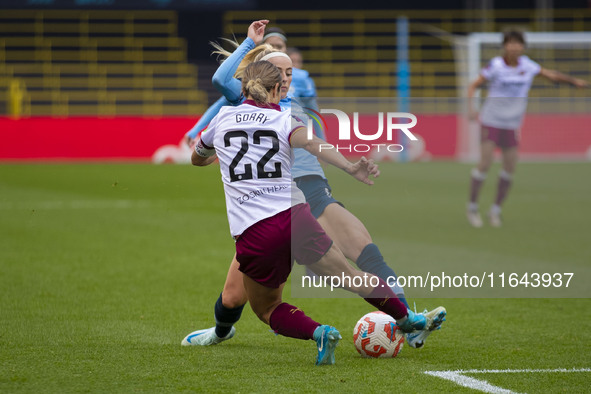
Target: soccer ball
{"type": "Point", "coordinates": [377, 335]}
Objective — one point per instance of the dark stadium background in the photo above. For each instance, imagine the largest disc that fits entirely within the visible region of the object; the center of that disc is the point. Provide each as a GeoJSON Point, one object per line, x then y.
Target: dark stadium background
{"type": "Point", "coordinates": [364, 68]}
{"type": "Point", "coordinates": [201, 21]}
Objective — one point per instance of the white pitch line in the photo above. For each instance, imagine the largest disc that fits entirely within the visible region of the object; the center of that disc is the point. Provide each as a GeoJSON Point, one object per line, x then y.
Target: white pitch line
{"type": "Point", "coordinates": [471, 383]}
{"type": "Point", "coordinates": [87, 204]}
{"type": "Point", "coordinates": [458, 377]}
{"type": "Point", "coordinates": [524, 370]}
{"type": "Point", "coordinates": [76, 204]}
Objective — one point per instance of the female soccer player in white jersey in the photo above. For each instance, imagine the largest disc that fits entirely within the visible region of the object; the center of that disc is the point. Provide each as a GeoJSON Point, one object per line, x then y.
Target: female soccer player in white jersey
{"type": "Point", "coordinates": [509, 80]}
{"type": "Point", "coordinates": [269, 218]}
{"type": "Point", "coordinates": [347, 231]}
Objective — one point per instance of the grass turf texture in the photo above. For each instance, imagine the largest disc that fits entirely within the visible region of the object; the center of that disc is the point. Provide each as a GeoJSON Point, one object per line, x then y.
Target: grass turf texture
{"type": "Point", "coordinates": [105, 268]}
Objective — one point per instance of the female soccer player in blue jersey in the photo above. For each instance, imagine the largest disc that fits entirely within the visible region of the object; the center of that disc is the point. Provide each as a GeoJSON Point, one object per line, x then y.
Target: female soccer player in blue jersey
{"type": "Point", "coordinates": [302, 85]}
{"type": "Point", "coordinates": [276, 226]}
{"type": "Point", "coordinates": [509, 77]}
{"type": "Point", "coordinates": [346, 230]}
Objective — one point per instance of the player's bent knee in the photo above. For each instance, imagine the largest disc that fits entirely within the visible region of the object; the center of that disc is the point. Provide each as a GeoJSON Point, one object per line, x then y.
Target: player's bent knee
{"type": "Point", "coordinates": [360, 241]}
{"type": "Point", "coordinates": [263, 316]}
{"type": "Point", "coordinates": [263, 312]}
{"type": "Point", "coordinates": [485, 164]}
{"type": "Point", "coordinates": [234, 300]}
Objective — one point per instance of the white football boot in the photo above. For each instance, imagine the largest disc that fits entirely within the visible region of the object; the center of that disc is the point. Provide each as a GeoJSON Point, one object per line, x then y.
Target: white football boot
{"type": "Point", "coordinates": [474, 218]}
{"type": "Point", "coordinates": [434, 320]}
{"type": "Point", "coordinates": [494, 218]}
{"type": "Point", "coordinates": [206, 337]}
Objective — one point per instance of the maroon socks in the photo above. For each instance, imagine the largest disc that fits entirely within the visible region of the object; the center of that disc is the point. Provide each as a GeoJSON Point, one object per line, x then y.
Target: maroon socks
{"type": "Point", "coordinates": [476, 180]}
{"type": "Point", "coordinates": [505, 180]}
{"type": "Point", "coordinates": [290, 321]}
{"type": "Point", "coordinates": [383, 298]}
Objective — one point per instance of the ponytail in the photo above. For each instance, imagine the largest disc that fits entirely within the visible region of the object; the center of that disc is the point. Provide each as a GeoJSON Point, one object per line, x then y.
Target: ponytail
{"type": "Point", "coordinates": [258, 79]}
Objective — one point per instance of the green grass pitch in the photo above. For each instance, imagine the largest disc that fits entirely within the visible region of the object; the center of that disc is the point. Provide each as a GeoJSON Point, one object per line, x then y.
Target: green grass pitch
{"type": "Point", "coordinates": [105, 268]}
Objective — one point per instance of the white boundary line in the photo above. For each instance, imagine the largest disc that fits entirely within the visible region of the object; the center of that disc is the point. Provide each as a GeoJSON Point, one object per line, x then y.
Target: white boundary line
{"type": "Point", "coordinates": [471, 383]}
{"type": "Point", "coordinates": [525, 370]}
{"type": "Point", "coordinates": [90, 204]}
{"type": "Point", "coordinates": [458, 377]}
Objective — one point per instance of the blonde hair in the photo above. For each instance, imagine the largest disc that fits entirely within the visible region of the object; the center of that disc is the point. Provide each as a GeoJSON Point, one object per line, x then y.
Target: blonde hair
{"type": "Point", "coordinates": [253, 55]}
{"type": "Point", "coordinates": [258, 79]}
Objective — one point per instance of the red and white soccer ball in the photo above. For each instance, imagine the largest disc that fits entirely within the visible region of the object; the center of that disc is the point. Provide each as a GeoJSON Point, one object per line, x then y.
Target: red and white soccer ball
{"type": "Point", "coordinates": [377, 335]}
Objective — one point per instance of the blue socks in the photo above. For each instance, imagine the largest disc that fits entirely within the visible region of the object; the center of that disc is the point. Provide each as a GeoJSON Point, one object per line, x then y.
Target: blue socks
{"type": "Point", "coordinates": [371, 260]}
{"type": "Point", "coordinates": [225, 318]}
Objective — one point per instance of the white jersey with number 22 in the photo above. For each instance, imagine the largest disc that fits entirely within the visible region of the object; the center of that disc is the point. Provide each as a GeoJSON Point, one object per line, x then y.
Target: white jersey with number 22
{"type": "Point", "coordinates": [252, 145]}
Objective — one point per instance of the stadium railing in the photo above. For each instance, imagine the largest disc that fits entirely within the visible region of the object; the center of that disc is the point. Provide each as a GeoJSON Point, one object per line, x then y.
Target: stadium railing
{"type": "Point", "coordinates": [353, 52]}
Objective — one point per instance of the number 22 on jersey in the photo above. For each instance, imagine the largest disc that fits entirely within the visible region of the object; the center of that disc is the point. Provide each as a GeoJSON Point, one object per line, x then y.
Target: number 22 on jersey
{"type": "Point", "coordinates": [257, 137]}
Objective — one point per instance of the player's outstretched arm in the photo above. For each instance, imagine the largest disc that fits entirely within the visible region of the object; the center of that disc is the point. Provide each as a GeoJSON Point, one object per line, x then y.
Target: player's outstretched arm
{"type": "Point", "coordinates": [223, 79]}
{"type": "Point", "coordinates": [256, 30]}
{"type": "Point", "coordinates": [360, 170]}
{"type": "Point", "coordinates": [205, 119]}
{"type": "Point", "coordinates": [556, 76]}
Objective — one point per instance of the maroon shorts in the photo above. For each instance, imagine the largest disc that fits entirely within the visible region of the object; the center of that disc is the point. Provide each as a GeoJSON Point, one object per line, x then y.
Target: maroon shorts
{"type": "Point", "coordinates": [266, 250]}
{"type": "Point", "coordinates": [501, 137]}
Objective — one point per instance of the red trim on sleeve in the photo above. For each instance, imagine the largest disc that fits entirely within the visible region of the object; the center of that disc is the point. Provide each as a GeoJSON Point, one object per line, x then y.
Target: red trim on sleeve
{"type": "Point", "coordinates": [294, 130]}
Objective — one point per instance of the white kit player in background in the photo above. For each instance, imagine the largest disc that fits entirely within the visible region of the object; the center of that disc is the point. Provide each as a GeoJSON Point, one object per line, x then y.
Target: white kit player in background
{"type": "Point", "coordinates": [509, 78]}
{"type": "Point", "coordinates": [508, 88]}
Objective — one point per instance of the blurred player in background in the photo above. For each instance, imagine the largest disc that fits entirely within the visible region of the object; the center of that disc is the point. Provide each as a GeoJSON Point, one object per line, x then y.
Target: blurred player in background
{"type": "Point", "coordinates": [302, 85]}
{"type": "Point", "coordinates": [276, 226]}
{"type": "Point", "coordinates": [509, 80]}
{"type": "Point", "coordinates": [296, 57]}
{"type": "Point", "coordinates": [347, 231]}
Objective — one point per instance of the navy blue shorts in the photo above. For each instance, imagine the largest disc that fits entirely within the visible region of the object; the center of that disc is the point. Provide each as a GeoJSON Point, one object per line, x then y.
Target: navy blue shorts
{"type": "Point", "coordinates": [317, 192]}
